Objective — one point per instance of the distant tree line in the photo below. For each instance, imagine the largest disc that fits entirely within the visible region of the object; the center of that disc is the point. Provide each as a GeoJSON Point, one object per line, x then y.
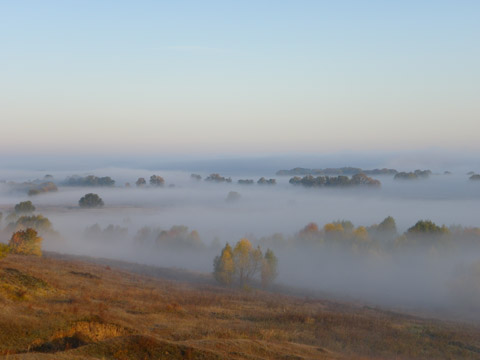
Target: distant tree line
{"type": "Point", "coordinates": [336, 171]}
{"type": "Point", "coordinates": [32, 187]}
{"type": "Point", "coordinates": [245, 181]}
{"type": "Point", "coordinates": [90, 180]}
{"type": "Point", "coordinates": [42, 188]}
{"type": "Point", "coordinates": [218, 178]}
{"type": "Point", "coordinates": [263, 181]}
{"type": "Point", "coordinates": [177, 238]}
{"type": "Point", "coordinates": [335, 181]}
{"type": "Point", "coordinates": [417, 174]}
{"type": "Point", "coordinates": [378, 239]}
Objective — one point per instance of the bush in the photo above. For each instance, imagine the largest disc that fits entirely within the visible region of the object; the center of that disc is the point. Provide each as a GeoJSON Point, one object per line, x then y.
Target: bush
{"type": "Point", "coordinates": [26, 242]}
{"type": "Point", "coordinates": [91, 201]}
{"type": "Point", "coordinates": [4, 250]}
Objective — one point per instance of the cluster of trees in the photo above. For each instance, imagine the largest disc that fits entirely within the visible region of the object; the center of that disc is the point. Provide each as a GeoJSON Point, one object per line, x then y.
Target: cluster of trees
{"type": "Point", "coordinates": [109, 233]}
{"type": "Point", "coordinates": [380, 238]}
{"type": "Point", "coordinates": [196, 177]}
{"type": "Point", "coordinates": [90, 201]}
{"type": "Point", "coordinates": [218, 178]}
{"type": "Point", "coordinates": [244, 263]}
{"type": "Point", "coordinates": [417, 174]}
{"type": "Point", "coordinates": [34, 187]}
{"type": "Point", "coordinates": [24, 207]}
{"type": "Point", "coordinates": [22, 217]}
{"type": "Point", "coordinates": [37, 222]}
{"type": "Point", "coordinates": [178, 237]}
{"type": "Point", "coordinates": [335, 181]}
{"type": "Point", "coordinates": [336, 171]}
{"type": "Point", "coordinates": [475, 177]}
{"type": "Point", "coordinates": [42, 188]}
{"type": "Point", "coordinates": [263, 181]}
{"type": "Point", "coordinates": [90, 180]}
{"type": "Point", "coordinates": [155, 180]}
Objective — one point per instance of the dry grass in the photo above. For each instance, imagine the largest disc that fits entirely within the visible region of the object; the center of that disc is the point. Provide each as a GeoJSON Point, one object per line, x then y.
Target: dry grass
{"type": "Point", "coordinates": [65, 309]}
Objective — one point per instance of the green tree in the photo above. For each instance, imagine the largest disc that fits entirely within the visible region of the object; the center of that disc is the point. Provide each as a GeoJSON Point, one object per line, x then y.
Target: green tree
{"type": "Point", "coordinates": [90, 201]}
{"type": "Point", "coordinates": [427, 227]}
{"type": "Point", "coordinates": [24, 207]}
{"type": "Point", "coordinates": [388, 226]}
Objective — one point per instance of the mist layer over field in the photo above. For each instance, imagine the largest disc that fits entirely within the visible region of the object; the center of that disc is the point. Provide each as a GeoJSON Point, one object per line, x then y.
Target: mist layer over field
{"type": "Point", "coordinates": [422, 277]}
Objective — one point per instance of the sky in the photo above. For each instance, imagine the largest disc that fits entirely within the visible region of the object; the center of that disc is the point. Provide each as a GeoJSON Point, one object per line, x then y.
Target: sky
{"type": "Point", "coordinates": [214, 77]}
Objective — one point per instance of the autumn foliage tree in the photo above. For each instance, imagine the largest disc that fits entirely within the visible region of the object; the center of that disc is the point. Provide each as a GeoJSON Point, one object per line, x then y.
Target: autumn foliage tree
{"type": "Point", "coordinates": [26, 242]}
{"type": "Point", "coordinates": [247, 260]}
{"type": "Point", "coordinates": [4, 250]}
{"type": "Point", "coordinates": [223, 266]}
{"type": "Point", "coordinates": [243, 263]}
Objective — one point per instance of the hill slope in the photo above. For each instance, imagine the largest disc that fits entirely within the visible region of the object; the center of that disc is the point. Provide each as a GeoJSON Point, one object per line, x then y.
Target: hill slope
{"type": "Point", "coordinates": [68, 309]}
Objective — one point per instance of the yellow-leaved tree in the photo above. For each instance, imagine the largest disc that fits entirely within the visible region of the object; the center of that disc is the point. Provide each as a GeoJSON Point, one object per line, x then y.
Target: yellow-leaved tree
{"type": "Point", "coordinates": [247, 260]}
{"type": "Point", "coordinates": [224, 268]}
{"type": "Point", "coordinates": [244, 263]}
{"type": "Point", "coordinates": [26, 242]}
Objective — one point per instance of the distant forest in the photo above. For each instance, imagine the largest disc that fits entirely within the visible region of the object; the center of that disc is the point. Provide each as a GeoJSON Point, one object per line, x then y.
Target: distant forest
{"type": "Point", "coordinates": [336, 171]}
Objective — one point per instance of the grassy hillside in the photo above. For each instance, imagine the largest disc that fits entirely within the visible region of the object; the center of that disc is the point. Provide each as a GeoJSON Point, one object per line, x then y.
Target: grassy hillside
{"type": "Point", "coordinates": [54, 308]}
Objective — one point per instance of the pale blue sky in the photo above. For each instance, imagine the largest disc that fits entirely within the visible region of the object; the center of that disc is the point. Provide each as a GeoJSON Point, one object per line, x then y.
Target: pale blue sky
{"type": "Point", "coordinates": [239, 76]}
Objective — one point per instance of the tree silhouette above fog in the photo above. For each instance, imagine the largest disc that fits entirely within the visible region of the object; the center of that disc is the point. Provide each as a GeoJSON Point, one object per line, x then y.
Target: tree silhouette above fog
{"type": "Point", "coordinates": [156, 180]}
{"type": "Point", "coordinates": [89, 180]}
{"type": "Point", "coordinates": [335, 181]}
{"type": "Point", "coordinates": [218, 178]}
{"type": "Point", "coordinates": [91, 201]}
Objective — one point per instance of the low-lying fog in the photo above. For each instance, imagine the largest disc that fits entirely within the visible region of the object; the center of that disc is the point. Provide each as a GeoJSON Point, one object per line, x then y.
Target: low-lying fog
{"type": "Point", "coordinates": [413, 280]}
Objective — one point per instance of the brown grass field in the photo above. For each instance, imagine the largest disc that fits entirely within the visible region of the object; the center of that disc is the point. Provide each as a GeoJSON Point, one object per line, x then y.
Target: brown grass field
{"type": "Point", "coordinates": [69, 308]}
